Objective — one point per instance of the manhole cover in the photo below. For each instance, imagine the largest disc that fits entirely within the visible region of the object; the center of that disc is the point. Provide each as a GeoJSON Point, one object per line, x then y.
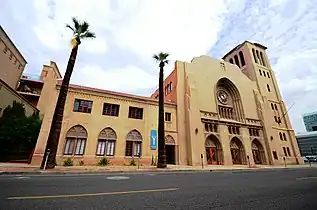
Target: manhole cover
{"type": "Point", "coordinates": [118, 177]}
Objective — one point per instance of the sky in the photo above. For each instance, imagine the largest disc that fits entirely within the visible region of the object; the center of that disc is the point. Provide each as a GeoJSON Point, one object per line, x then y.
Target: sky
{"type": "Point", "coordinates": [129, 32]}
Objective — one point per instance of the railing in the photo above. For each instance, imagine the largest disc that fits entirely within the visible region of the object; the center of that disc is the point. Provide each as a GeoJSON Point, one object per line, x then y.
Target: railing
{"type": "Point", "coordinates": [31, 77]}
{"type": "Point", "coordinates": [26, 89]}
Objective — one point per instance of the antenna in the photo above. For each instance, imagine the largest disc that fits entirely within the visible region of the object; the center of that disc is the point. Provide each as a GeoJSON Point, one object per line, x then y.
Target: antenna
{"type": "Point", "coordinates": [280, 120]}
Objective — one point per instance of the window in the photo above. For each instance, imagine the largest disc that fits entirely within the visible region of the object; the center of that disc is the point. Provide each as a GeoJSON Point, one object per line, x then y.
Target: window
{"type": "Point", "coordinates": [167, 116]}
{"type": "Point", "coordinates": [133, 148]}
{"type": "Point", "coordinates": [278, 120]}
{"type": "Point", "coordinates": [281, 137]}
{"type": "Point", "coordinates": [231, 60]}
{"type": "Point", "coordinates": [253, 52]}
{"type": "Point", "coordinates": [272, 106]}
{"type": "Point", "coordinates": [19, 66]}
{"type": "Point", "coordinates": [234, 130]}
{"type": "Point", "coordinates": [268, 74]}
{"type": "Point", "coordinates": [170, 87]}
{"type": "Point", "coordinates": [263, 62]}
{"type": "Point", "coordinates": [84, 106]}
{"type": "Point", "coordinates": [268, 88]}
{"type": "Point", "coordinates": [135, 112]}
{"type": "Point", "coordinates": [258, 57]}
{"type": "Point", "coordinates": [11, 56]}
{"type": "Point", "coordinates": [211, 127]}
{"type": "Point", "coordinates": [284, 137]}
{"type": "Point", "coordinates": [75, 146]}
{"type": "Point", "coordinates": [288, 151]}
{"type": "Point", "coordinates": [275, 155]}
{"type": "Point", "coordinates": [15, 62]}
{"type": "Point", "coordinates": [236, 60]}
{"type": "Point", "coordinates": [242, 58]}
{"type": "Point", "coordinates": [111, 109]}
{"type": "Point", "coordinates": [106, 147]}
{"type": "Point", "coordinates": [284, 149]}
{"type": "Point", "coordinates": [264, 73]}
{"type": "Point", "coordinates": [275, 106]}
{"type": "Point", "coordinates": [5, 50]}
{"type": "Point", "coordinates": [275, 118]}
{"type": "Point", "coordinates": [260, 72]}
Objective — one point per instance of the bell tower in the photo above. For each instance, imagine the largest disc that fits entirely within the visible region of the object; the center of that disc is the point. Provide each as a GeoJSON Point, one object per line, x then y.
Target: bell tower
{"type": "Point", "coordinates": [253, 61]}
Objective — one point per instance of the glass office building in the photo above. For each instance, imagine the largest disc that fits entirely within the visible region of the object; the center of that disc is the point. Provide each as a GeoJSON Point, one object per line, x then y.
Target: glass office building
{"type": "Point", "coordinates": [307, 143]}
{"type": "Point", "coordinates": [310, 121]}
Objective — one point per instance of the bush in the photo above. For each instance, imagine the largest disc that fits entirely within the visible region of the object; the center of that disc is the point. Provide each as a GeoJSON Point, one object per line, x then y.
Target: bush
{"type": "Point", "coordinates": [103, 161]}
{"type": "Point", "coordinates": [132, 162]}
{"type": "Point", "coordinates": [81, 163]}
{"type": "Point", "coordinates": [68, 162]}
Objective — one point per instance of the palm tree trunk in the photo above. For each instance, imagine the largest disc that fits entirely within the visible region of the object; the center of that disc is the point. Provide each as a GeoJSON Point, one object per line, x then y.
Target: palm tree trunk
{"type": "Point", "coordinates": [53, 138]}
{"type": "Point", "coordinates": [161, 163]}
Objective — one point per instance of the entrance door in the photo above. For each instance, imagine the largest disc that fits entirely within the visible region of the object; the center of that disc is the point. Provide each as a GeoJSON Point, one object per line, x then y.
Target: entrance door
{"type": "Point", "coordinates": [256, 157]}
{"type": "Point", "coordinates": [170, 154]}
{"type": "Point", "coordinates": [236, 156]}
{"type": "Point", "coordinates": [211, 154]}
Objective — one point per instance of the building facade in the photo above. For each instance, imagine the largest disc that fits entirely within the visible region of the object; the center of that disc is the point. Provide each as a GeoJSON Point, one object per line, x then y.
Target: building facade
{"type": "Point", "coordinates": [310, 121]}
{"type": "Point", "coordinates": [228, 111]}
{"type": "Point", "coordinates": [307, 143]}
{"type": "Point", "coordinates": [12, 64]}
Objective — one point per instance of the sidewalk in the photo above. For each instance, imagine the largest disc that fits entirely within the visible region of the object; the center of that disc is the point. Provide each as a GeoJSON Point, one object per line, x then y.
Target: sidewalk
{"type": "Point", "coordinates": [15, 168]}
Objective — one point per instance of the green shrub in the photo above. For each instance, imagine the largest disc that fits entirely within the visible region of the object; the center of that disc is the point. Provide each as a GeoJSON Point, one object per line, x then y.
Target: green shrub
{"type": "Point", "coordinates": [68, 162]}
{"type": "Point", "coordinates": [81, 163]}
{"type": "Point", "coordinates": [103, 161]}
{"type": "Point", "coordinates": [132, 162]}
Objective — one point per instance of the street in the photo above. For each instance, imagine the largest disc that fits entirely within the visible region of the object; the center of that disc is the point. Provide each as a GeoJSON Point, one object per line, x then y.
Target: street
{"type": "Point", "coordinates": [266, 189]}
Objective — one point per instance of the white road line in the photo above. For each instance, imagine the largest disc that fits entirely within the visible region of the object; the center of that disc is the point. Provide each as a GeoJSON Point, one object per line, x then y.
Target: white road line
{"type": "Point", "coordinates": [306, 178]}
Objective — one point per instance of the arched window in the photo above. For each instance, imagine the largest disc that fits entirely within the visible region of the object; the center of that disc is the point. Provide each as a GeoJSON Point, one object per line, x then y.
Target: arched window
{"type": "Point", "coordinates": [75, 143]}
{"type": "Point", "coordinates": [236, 60]}
{"type": "Point", "coordinates": [284, 137]}
{"type": "Point", "coordinates": [275, 106]}
{"type": "Point", "coordinates": [133, 144]}
{"type": "Point", "coordinates": [241, 58]}
{"type": "Point", "coordinates": [281, 138]}
{"type": "Point", "coordinates": [231, 60]}
{"type": "Point", "coordinates": [254, 56]}
{"type": "Point", "coordinates": [258, 57]}
{"type": "Point", "coordinates": [260, 72]}
{"type": "Point", "coordinates": [264, 73]}
{"type": "Point", "coordinates": [268, 74]}
{"type": "Point", "coordinates": [106, 142]}
{"type": "Point", "coordinates": [262, 58]}
{"type": "Point", "coordinates": [272, 106]}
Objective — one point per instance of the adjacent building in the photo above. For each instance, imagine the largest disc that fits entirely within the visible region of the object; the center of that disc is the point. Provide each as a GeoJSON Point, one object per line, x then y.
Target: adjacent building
{"type": "Point", "coordinates": [310, 121]}
{"type": "Point", "coordinates": [12, 64]}
{"type": "Point", "coordinates": [307, 143]}
{"type": "Point", "coordinates": [229, 111]}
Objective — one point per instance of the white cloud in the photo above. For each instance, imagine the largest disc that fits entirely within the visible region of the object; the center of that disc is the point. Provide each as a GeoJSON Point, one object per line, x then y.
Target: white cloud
{"type": "Point", "coordinates": [122, 79]}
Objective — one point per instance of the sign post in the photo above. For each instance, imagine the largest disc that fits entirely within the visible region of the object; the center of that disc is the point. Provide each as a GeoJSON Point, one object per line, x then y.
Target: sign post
{"type": "Point", "coordinates": [284, 161]}
{"type": "Point", "coordinates": [47, 154]}
{"type": "Point", "coordinates": [249, 161]}
{"type": "Point", "coordinates": [139, 160]}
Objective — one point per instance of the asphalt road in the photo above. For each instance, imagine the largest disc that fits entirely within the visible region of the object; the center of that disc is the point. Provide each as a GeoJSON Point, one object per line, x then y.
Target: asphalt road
{"type": "Point", "coordinates": [275, 189]}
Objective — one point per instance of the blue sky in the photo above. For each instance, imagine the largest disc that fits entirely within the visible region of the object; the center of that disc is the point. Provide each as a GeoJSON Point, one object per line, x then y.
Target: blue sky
{"type": "Point", "coordinates": [130, 31]}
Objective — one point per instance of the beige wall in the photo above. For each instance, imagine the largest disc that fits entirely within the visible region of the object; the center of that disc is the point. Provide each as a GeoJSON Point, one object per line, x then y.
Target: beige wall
{"type": "Point", "coordinates": [96, 122]}
{"type": "Point", "coordinates": [11, 60]}
{"type": "Point", "coordinates": [8, 95]}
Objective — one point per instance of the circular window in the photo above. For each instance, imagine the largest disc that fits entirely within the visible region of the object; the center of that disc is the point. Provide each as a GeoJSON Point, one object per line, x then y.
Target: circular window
{"type": "Point", "coordinates": [222, 97]}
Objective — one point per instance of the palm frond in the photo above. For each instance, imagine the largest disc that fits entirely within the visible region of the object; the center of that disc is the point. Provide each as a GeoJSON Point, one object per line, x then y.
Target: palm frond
{"type": "Point", "coordinates": [76, 23]}
{"type": "Point", "coordinates": [88, 34]}
{"type": "Point", "coordinates": [84, 27]}
{"type": "Point", "coordinates": [71, 28]}
{"type": "Point", "coordinates": [156, 57]}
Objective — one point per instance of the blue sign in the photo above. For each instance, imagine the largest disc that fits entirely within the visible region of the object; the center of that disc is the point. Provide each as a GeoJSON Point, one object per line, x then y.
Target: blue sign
{"type": "Point", "coordinates": [153, 139]}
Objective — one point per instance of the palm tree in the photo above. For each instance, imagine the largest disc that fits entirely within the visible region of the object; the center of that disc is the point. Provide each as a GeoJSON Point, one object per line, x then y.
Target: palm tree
{"type": "Point", "coordinates": [80, 31]}
{"type": "Point", "coordinates": [161, 58]}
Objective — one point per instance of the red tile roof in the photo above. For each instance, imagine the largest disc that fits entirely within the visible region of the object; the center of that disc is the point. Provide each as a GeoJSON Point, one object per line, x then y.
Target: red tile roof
{"type": "Point", "coordinates": [127, 95]}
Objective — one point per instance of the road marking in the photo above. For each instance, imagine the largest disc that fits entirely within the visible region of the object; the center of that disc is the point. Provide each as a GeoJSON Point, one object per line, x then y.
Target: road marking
{"type": "Point", "coordinates": [21, 177]}
{"type": "Point", "coordinates": [91, 194]}
{"type": "Point", "coordinates": [118, 177]}
{"type": "Point", "coordinates": [306, 178]}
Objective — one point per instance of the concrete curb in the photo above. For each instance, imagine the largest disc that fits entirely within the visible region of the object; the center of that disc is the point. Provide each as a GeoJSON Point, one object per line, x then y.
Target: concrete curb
{"type": "Point", "coordinates": [143, 171]}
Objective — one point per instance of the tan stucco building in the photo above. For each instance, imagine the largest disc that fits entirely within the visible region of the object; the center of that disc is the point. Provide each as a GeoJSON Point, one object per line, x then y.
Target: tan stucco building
{"type": "Point", "coordinates": [229, 111]}
{"type": "Point", "coordinates": [12, 64]}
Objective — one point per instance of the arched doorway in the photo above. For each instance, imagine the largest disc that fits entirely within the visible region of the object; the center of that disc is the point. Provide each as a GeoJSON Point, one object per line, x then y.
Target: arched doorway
{"type": "Point", "coordinates": [75, 143]}
{"type": "Point", "coordinates": [258, 152]}
{"type": "Point", "coordinates": [170, 149]}
{"type": "Point", "coordinates": [237, 151]}
{"type": "Point", "coordinates": [213, 150]}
